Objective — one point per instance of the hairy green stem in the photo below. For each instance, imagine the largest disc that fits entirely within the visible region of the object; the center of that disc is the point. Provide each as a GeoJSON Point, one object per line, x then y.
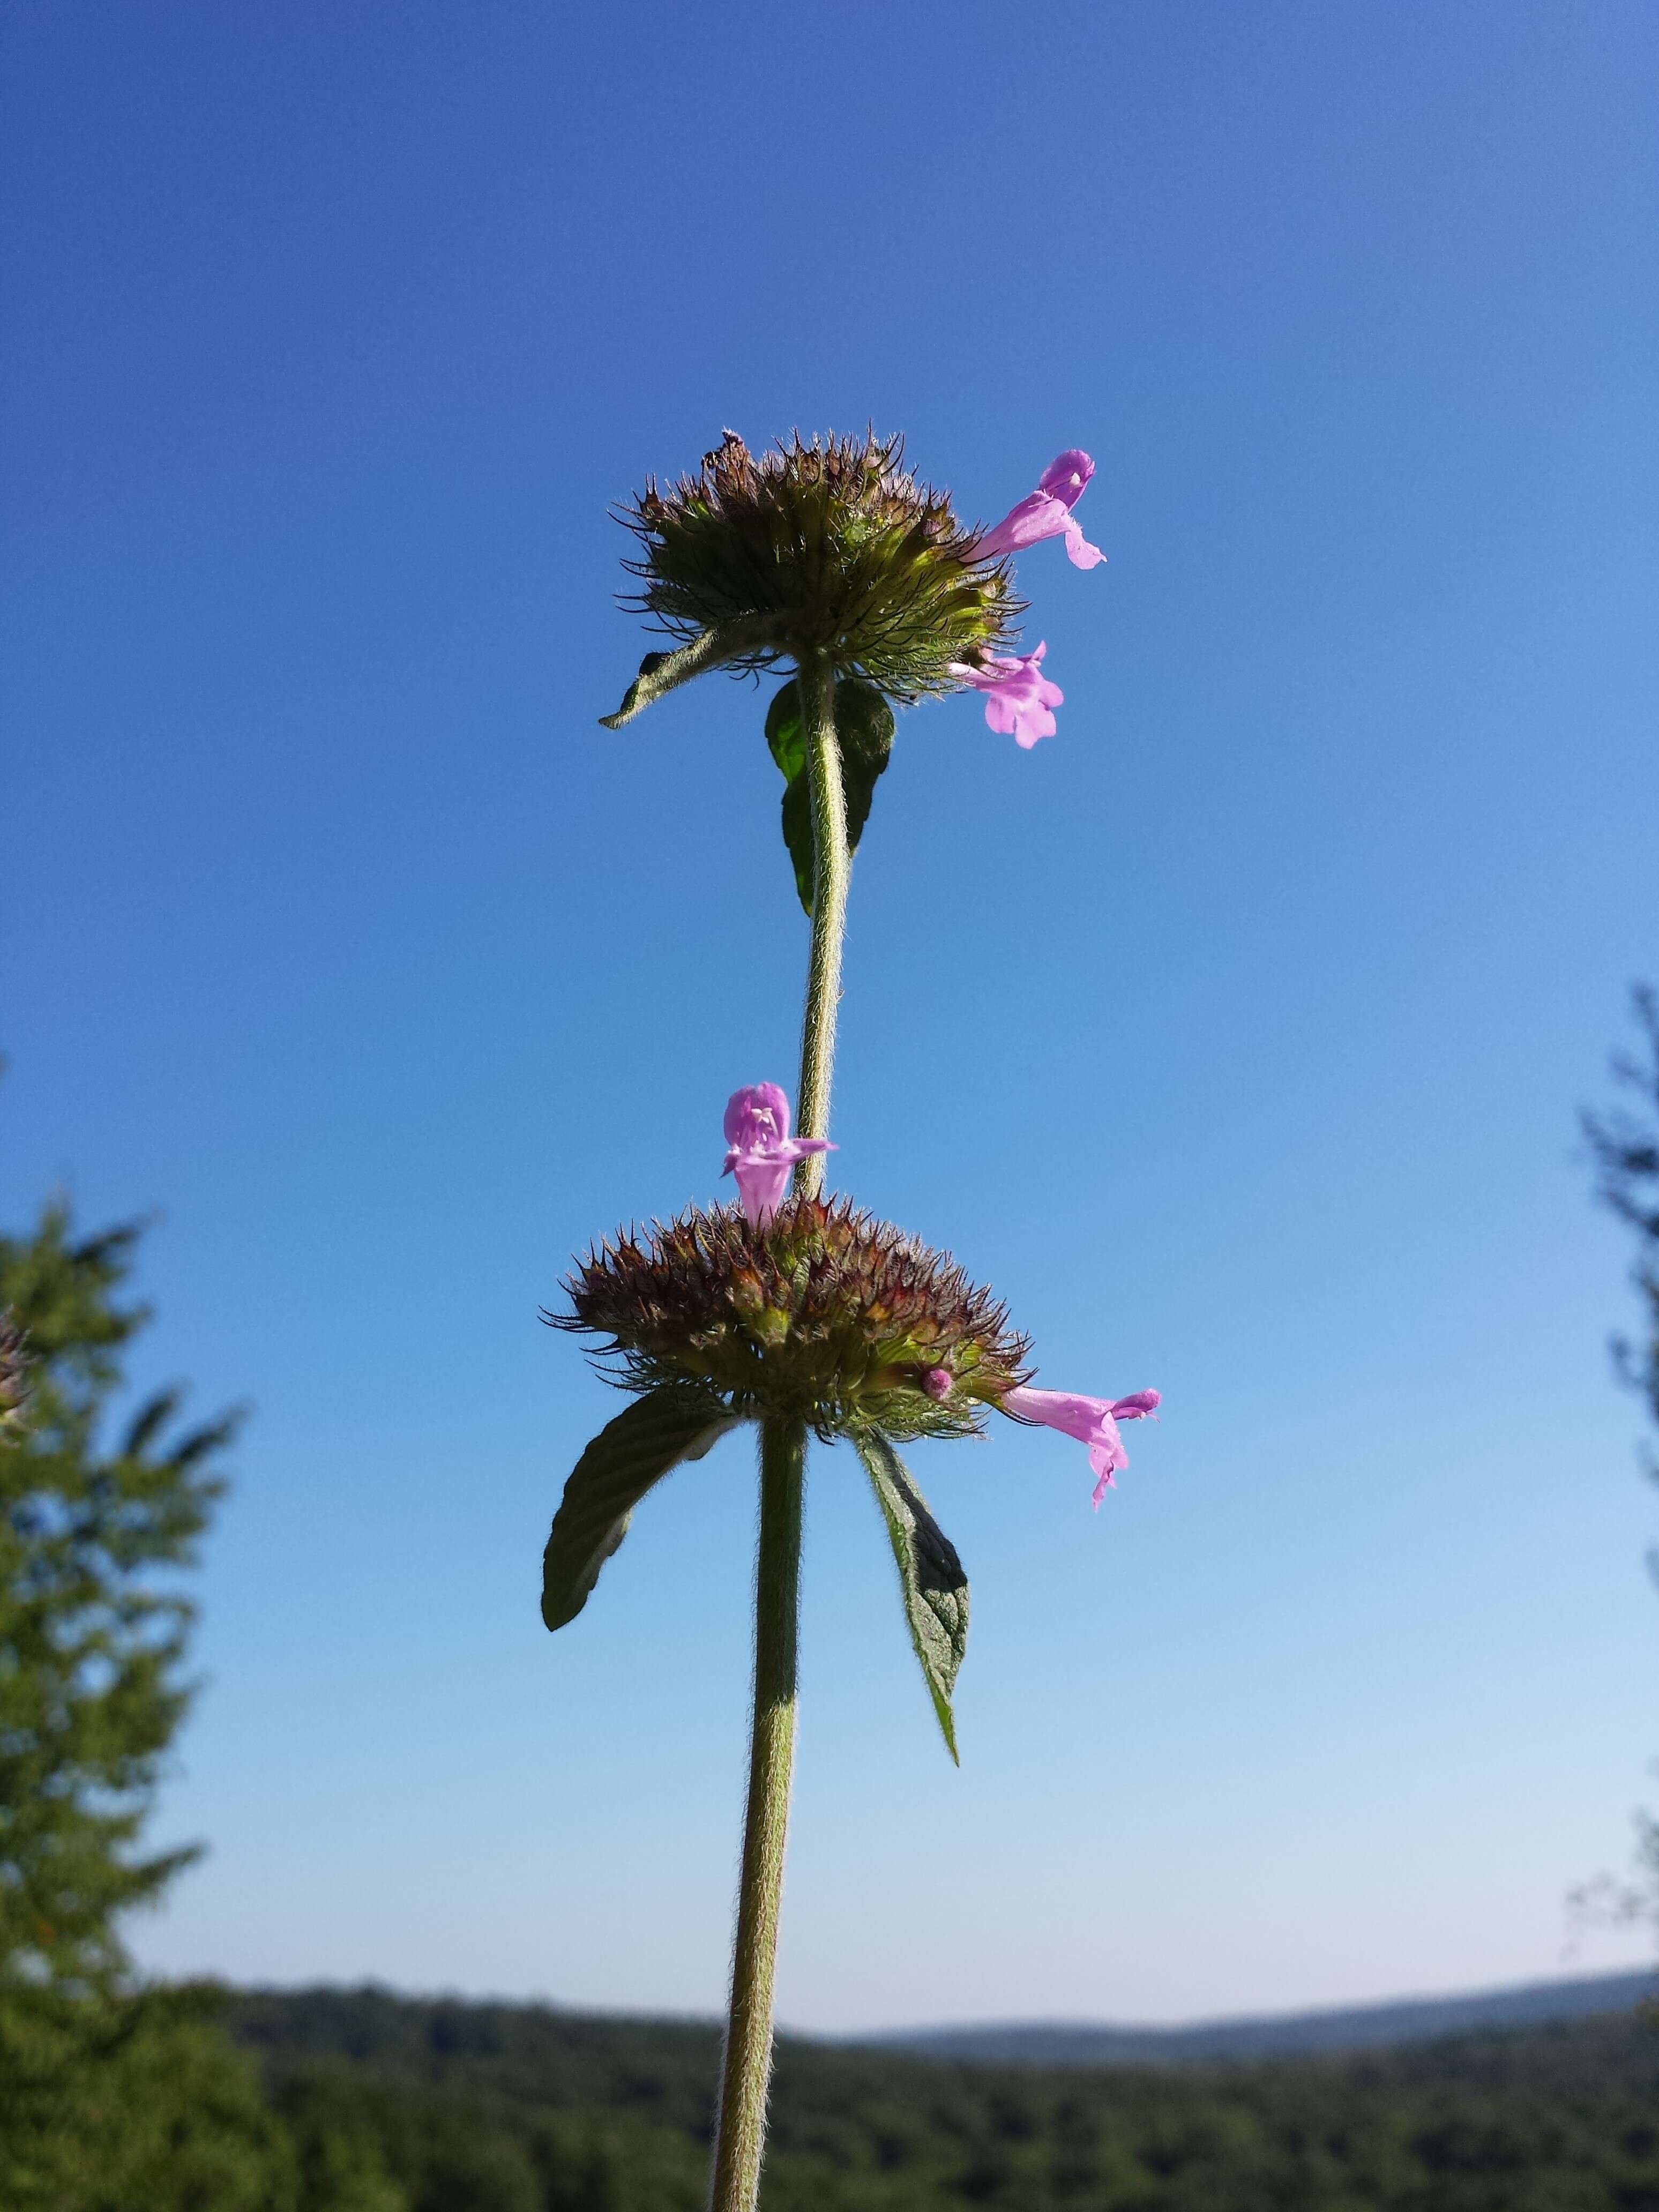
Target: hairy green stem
{"type": "Point", "coordinates": [831, 867]}
{"type": "Point", "coordinates": [747, 2066]}
{"type": "Point", "coordinates": [740, 2135]}
{"type": "Point", "coordinates": [710, 649]}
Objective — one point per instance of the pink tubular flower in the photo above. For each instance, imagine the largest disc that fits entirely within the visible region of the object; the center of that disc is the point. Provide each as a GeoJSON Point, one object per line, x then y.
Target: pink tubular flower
{"type": "Point", "coordinates": [1092, 1421]}
{"type": "Point", "coordinates": [1046, 513]}
{"type": "Point", "coordinates": [762, 1151]}
{"type": "Point", "coordinates": [1020, 700]}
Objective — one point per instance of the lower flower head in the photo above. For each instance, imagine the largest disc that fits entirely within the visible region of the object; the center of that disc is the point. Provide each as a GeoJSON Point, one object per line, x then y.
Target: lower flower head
{"type": "Point", "coordinates": [823, 1313]}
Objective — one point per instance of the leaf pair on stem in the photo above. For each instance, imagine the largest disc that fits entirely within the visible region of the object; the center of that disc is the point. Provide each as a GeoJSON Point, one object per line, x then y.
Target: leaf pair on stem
{"type": "Point", "coordinates": [668, 1427]}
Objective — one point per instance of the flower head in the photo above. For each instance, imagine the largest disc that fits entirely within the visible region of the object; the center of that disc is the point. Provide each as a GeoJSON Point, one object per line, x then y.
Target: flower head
{"type": "Point", "coordinates": [1019, 699]}
{"type": "Point", "coordinates": [824, 1315]}
{"type": "Point", "coordinates": [830, 546]}
{"type": "Point", "coordinates": [762, 1151]}
{"type": "Point", "coordinates": [1046, 513]}
{"type": "Point", "coordinates": [1092, 1421]}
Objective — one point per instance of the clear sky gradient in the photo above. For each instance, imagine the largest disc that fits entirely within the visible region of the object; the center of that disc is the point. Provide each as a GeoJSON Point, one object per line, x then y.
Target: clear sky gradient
{"type": "Point", "coordinates": [1236, 1035]}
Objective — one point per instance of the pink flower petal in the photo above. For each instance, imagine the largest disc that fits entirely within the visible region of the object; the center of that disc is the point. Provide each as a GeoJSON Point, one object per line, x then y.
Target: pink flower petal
{"type": "Point", "coordinates": [1078, 551]}
{"type": "Point", "coordinates": [1037, 516]}
{"type": "Point", "coordinates": [1066, 475]}
{"type": "Point", "coordinates": [762, 1151]}
{"type": "Point", "coordinates": [1019, 697]}
{"type": "Point", "coordinates": [1046, 513]}
{"type": "Point", "coordinates": [756, 1115]}
{"type": "Point", "coordinates": [1092, 1421]}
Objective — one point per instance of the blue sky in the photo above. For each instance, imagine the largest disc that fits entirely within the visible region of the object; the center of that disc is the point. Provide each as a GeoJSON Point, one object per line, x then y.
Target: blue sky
{"type": "Point", "coordinates": [1236, 1035]}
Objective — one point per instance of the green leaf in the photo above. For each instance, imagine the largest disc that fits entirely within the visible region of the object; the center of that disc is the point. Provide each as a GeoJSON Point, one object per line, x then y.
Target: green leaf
{"type": "Point", "coordinates": [783, 732]}
{"type": "Point", "coordinates": [864, 725]}
{"type": "Point", "coordinates": [931, 1580]}
{"type": "Point", "coordinates": [627, 1456]}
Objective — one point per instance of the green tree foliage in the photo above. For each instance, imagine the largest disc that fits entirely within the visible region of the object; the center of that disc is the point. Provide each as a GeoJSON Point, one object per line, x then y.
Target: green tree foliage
{"type": "Point", "coordinates": [112, 2098]}
{"type": "Point", "coordinates": [90, 1648]}
{"type": "Point", "coordinates": [154, 2111]}
{"type": "Point", "coordinates": [502, 2108]}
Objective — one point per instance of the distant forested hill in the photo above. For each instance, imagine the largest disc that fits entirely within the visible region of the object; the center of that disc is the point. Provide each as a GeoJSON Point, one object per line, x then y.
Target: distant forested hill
{"type": "Point", "coordinates": [414, 2105]}
{"type": "Point", "coordinates": [1280, 2035]}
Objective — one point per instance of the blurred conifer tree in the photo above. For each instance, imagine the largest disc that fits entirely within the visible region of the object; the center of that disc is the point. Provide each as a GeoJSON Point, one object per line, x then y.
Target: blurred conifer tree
{"type": "Point", "coordinates": [112, 2097]}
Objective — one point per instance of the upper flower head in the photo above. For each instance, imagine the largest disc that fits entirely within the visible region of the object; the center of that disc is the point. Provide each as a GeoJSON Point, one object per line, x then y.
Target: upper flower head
{"type": "Point", "coordinates": [762, 1151]}
{"type": "Point", "coordinates": [1019, 699]}
{"type": "Point", "coordinates": [1046, 513]}
{"type": "Point", "coordinates": [1092, 1421]}
{"type": "Point", "coordinates": [823, 1315]}
{"type": "Point", "coordinates": [831, 545]}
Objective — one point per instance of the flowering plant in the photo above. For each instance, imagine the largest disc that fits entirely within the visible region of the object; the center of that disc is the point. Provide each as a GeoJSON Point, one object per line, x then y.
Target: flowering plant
{"type": "Point", "coordinates": [799, 1313]}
